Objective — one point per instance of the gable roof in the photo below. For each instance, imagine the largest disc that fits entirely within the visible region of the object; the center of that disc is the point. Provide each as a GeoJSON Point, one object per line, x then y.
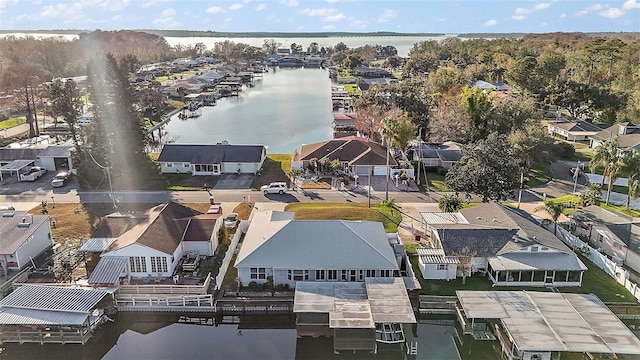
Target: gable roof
{"type": "Point", "coordinates": [9, 154]}
{"type": "Point", "coordinates": [596, 214]}
{"type": "Point", "coordinates": [627, 134]}
{"type": "Point", "coordinates": [579, 126]}
{"type": "Point", "coordinates": [13, 236]}
{"type": "Point", "coordinates": [351, 149]}
{"type": "Point", "coordinates": [275, 239]}
{"type": "Point", "coordinates": [211, 154]}
{"type": "Point", "coordinates": [57, 151]}
{"type": "Point", "coordinates": [161, 228]}
{"type": "Point", "coordinates": [484, 242]}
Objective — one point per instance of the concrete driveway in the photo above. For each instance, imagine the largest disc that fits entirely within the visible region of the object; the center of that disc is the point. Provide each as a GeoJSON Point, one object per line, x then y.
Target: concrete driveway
{"type": "Point", "coordinates": [234, 181]}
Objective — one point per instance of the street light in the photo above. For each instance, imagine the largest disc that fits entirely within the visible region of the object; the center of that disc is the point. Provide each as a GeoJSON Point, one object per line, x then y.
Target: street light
{"type": "Point", "coordinates": [208, 190]}
{"type": "Point", "coordinates": [53, 203]}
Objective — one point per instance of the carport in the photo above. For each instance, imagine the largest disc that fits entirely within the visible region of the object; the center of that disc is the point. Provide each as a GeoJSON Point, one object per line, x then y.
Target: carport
{"type": "Point", "coordinates": [15, 166]}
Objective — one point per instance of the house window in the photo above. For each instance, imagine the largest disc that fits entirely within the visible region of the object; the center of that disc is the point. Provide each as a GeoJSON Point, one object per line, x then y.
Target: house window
{"type": "Point", "coordinates": [298, 275]}
{"type": "Point", "coordinates": [186, 164]}
{"type": "Point", "coordinates": [352, 275]}
{"type": "Point", "coordinates": [169, 164]}
{"type": "Point", "coordinates": [332, 275]}
{"type": "Point", "coordinates": [371, 273]}
{"type": "Point", "coordinates": [534, 249]}
{"type": "Point", "coordinates": [385, 273]}
{"type": "Point", "coordinates": [258, 273]}
{"type": "Point", "coordinates": [159, 264]}
{"type": "Point", "coordinates": [442, 267]}
{"type": "Point", "coordinates": [138, 264]}
{"type": "Point", "coordinates": [617, 246]}
{"type": "Point", "coordinates": [343, 275]}
{"type": "Point", "coordinates": [320, 275]}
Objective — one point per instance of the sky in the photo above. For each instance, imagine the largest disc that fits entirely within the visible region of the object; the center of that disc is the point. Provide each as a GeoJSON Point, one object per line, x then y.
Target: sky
{"type": "Point", "coordinates": [409, 16]}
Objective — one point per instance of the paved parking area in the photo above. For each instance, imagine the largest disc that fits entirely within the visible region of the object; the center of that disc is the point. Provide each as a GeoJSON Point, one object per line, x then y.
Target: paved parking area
{"type": "Point", "coordinates": [11, 185]}
{"type": "Point", "coordinates": [234, 181]}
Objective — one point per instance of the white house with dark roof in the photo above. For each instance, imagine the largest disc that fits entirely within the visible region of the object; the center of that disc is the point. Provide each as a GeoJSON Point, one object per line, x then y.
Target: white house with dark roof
{"type": "Point", "coordinates": [628, 136]}
{"type": "Point", "coordinates": [22, 237]}
{"type": "Point", "coordinates": [509, 246]}
{"type": "Point", "coordinates": [313, 250]}
{"type": "Point", "coordinates": [215, 159]}
{"type": "Point", "coordinates": [441, 154]}
{"type": "Point", "coordinates": [56, 158]}
{"type": "Point", "coordinates": [574, 130]}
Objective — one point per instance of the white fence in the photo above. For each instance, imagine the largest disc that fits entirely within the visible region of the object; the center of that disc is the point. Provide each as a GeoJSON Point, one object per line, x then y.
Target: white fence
{"type": "Point", "coordinates": [621, 275]}
{"type": "Point", "coordinates": [242, 227]}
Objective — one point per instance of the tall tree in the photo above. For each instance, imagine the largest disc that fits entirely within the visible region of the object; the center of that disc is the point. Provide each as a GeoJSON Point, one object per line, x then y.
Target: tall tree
{"type": "Point", "coordinates": [477, 103]}
{"type": "Point", "coordinates": [450, 203]}
{"type": "Point", "coordinates": [631, 169]}
{"type": "Point", "coordinates": [487, 169]}
{"type": "Point", "coordinates": [531, 144]}
{"type": "Point", "coordinates": [23, 78]}
{"type": "Point", "coordinates": [66, 101]}
{"type": "Point", "coordinates": [606, 156]}
{"type": "Point", "coordinates": [117, 139]}
{"type": "Point", "coordinates": [554, 209]}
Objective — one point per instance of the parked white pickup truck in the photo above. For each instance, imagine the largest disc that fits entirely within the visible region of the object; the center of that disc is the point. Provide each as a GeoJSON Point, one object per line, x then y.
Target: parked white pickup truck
{"type": "Point", "coordinates": [33, 174]}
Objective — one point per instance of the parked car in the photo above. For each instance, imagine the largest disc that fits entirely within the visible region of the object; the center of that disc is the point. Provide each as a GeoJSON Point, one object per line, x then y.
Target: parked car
{"type": "Point", "coordinates": [231, 220]}
{"type": "Point", "coordinates": [274, 188]}
{"type": "Point", "coordinates": [60, 179]}
{"type": "Point", "coordinates": [215, 209]}
{"type": "Point", "coordinates": [33, 174]}
{"type": "Point", "coordinates": [7, 208]}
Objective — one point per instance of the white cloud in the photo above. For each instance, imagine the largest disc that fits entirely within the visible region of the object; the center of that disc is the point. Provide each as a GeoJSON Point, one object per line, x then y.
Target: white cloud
{"type": "Point", "coordinates": [115, 5]}
{"type": "Point", "coordinates": [215, 10]}
{"type": "Point", "coordinates": [387, 15]}
{"type": "Point", "coordinates": [563, 15]}
{"type": "Point", "coordinates": [273, 18]}
{"type": "Point", "coordinates": [631, 4]}
{"type": "Point", "coordinates": [168, 12]}
{"type": "Point", "coordinates": [488, 23]}
{"type": "Point", "coordinates": [318, 12]}
{"type": "Point", "coordinates": [590, 8]}
{"type": "Point", "coordinates": [151, 3]}
{"type": "Point", "coordinates": [290, 2]}
{"type": "Point", "coordinates": [328, 27]}
{"type": "Point", "coordinates": [612, 13]}
{"type": "Point", "coordinates": [7, 3]}
{"type": "Point", "coordinates": [519, 13]}
{"type": "Point", "coordinates": [235, 7]}
{"type": "Point", "coordinates": [334, 18]}
{"type": "Point", "coordinates": [260, 7]}
{"type": "Point", "coordinates": [357, 23]}
{"type": "Point", "coordinates": [581, 12]}
{"type": "Point", "coordinates": [246, 1]}
{"type": "Point", "coordinates": [227, 19]}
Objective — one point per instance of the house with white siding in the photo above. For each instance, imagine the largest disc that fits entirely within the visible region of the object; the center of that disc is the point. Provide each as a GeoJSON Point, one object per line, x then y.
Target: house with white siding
{"type": "Point", "coordinates": [289, 250]}
{"type": "Point", "coordinates": [217, 159]}
{"type": "Point", "coordinates": [22, 237]}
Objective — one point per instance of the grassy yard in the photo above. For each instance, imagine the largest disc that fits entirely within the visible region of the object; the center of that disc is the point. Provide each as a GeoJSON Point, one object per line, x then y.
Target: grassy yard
{"type": "Point", "coordinates": [539, 175]}
{"type": "Point", "coordinates": [274, 168]}
{"type": "Point", "coordinates": [434, 181]}
{"type": "Point", "coordinates": [346, 211]}
{"type": "Point", "coordinates": [11, 122]}
{"type": "Point", "coordinates": [572, 200]}
{"type": "Point", "coordinates": [594, 281]}
{"type": "Point", "coordinates": [351, 89]}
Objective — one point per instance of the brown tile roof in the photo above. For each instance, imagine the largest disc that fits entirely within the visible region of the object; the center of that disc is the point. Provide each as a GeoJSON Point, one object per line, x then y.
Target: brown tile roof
{"type": "Point", "coordinates": [354, 151]}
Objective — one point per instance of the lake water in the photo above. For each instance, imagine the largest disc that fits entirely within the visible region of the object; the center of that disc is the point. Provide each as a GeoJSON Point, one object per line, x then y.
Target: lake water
{"type": "Point", "coordinates": [153, 336]}
{"type": "Point", "coordinates": [283, 110]}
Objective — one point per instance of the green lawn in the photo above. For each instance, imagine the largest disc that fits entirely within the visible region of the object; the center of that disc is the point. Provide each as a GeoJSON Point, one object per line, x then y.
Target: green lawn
{"type": "Point", "coordinates": [346, 211]}
{"type": "Point", "coordinates": [11, 122]}
{"type": "Point", "coordinates": [435, 181]}
{"type": "Point", "coordinates": [351, 89]}
{"type": "Point", "coordinates": [538, 175]}
{"type": "Point", "coordinates": [274, 168]}
{"type": "Point", "coordinates": [594, 281]}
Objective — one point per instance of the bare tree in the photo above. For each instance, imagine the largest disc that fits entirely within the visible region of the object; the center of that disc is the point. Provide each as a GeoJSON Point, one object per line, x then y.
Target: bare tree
{"type": "Point", "coordinates": [465, 256]}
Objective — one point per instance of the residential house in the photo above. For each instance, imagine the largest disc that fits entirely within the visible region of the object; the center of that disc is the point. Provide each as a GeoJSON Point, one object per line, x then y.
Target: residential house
{"type": "Point", "coordinates": [506, 244]}
{"type": "Point", "coordinates": [628, 136]}
{"type": "Point", "coordinates": [440, 154]}
{"type": "Point", "coordinates": [22, 237]}
{"type": "Point", "coordinates": [57, 158]}
{"type": "Point", "coordinates": [574, 130]}
{"type": "Point", "coordinates": [16, 160]}
{"type": "Point", "coordinates": [151, 242]}
{"type": "Point", "coordinates": [613, 233]}
{"type": "Point", "coordinates": [290, 251]}
{"type": "Point", "coordinates": [368, 72]}
{"type": "Point", "coordinates": [344, 125]}
{"type": "Point", "coordinates": [221, 158]}
{"type": "Point", "coordinates": [357, 155]}
{"type": "Point", "coordinates": [85, 118]}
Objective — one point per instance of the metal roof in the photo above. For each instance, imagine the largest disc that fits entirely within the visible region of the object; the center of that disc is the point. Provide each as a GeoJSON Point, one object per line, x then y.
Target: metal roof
{"type": "Point", "coordinates": [17, 316]}
{"type": "Point", "coordinates": [108, 270]}
{"type": "Point", "coordinates": [541, 260]}
{"type": "Point", "coordinates": [438, 259]}
{"type": "Point", "coordinates": [16, 165]}
{"type": "Point", "coordinates": [53, 298]}
{"type": "Point", "coordinates": [57, 151]}
{"type": "Point", "coordinates": [545, 321]}
{"type": "Point", "coordinates": [430, 251]}
{"type": "Point", "coordinates": [442, 218]}
{"type": "Point", "coordinates": [97, 244]}
{"type": "Point", "coordinates": [13, 235]}
{"type": "Point", "coordinates": [356, 304]}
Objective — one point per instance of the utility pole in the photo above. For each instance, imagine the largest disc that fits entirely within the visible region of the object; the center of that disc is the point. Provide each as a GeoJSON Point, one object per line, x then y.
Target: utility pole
{"type": "Point", "coordinates": [108, 169]}
{"type": "Point", "coordinates": [419, 157]}
{"type": "Point", "coordinates": [521, 186]}
{"type": "Point", "coordinates": [386, 183]}
{"type": "Point", "coordinates": [369, 188]}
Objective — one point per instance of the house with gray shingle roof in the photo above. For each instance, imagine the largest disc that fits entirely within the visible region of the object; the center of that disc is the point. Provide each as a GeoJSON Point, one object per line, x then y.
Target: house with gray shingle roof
{"type": "Point", "coordinates": [628, 136]}
{"type": "Point", "coordinates": [441, 154]}
{"type": "Point", "coordinates": [508, 245]}
{"type": "Point", "coordinates": [217, 159]}
{"type": "Point", "coordinates": [574, 130]}
{"type": "Point", "coordinates": [357, 155]}
{"type": "Point", "coordinates": [289, 250]}
{"type": "Point", "coordinates": [22, 237]}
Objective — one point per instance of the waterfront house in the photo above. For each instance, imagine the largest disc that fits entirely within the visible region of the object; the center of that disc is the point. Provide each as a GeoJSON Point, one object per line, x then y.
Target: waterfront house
{"type": "Point", "coordinates": [614, 234]}
{"type": "Point", "coordinates": [344, 125]}
{"type": "Point", "coordinates": [22, 237]}
{"type": "Point", "coordinates": [439, 154]}
{"type": "Point", "coordinates": [544, 325]}
{"type": "Point", "coordinates": [52, 314]}
{"type": "Point", "coordinates": [221, 158]}
{"type": "Point", "coordinates": [573, 130]}
{"type": "Point", "coordinates": [151, 242]}
{"type": "Point", "coordinates": [289, 250]}
{"type": "Point", "coordinates": [628, 136]}
{"type": "Point", "coordinates": [506, 244]}
{"type": "Point", "coordinates": [368, 72]}
{"type": "Point", "coordinates": [357, 155]}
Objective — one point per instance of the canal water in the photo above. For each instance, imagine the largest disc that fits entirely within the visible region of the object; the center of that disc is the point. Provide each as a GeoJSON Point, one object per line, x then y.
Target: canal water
{"type": "Point", "coordinates": [156, 336]}
{"type": "Point", "coordinates": [283, 109]}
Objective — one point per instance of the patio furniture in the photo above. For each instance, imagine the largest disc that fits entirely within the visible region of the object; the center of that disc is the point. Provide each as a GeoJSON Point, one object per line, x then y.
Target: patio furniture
{"type": "Point", "coordinates": [147, 279]}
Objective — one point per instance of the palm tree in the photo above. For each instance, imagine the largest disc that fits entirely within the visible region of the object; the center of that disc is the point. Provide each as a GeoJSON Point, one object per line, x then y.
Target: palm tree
{"type": "Point", "coordinates": [449, 203]}
{"type": "Point", "coordinates": [387, 131]}
{"type": "Point", "coordinates": [606, 155]}
{"type": "Point", "coordinates": [592, 195]}
{"type": "Point", "coordinates": [554, 210]}
{"type": "Point", "coordinates": [631, 168]}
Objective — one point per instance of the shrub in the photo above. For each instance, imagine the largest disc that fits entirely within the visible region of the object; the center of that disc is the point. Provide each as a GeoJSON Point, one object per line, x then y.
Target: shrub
{"type": "Point", "coordinates": [441, 171]}
{"type": "Point", "coordinates": [564, 150]}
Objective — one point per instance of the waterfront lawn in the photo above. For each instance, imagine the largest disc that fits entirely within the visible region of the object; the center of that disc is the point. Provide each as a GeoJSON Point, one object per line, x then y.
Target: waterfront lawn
{"type": "Point", "coordinates": [594, 281]}
{"type": "Point", "coordinates": [346, 211]}
{"type": "Point", "coordinates": [274, 169]}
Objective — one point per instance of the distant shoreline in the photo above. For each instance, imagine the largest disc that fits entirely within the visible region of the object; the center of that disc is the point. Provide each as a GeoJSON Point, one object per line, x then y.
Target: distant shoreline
{"type": "Point", "coordinates": [191, 33]}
